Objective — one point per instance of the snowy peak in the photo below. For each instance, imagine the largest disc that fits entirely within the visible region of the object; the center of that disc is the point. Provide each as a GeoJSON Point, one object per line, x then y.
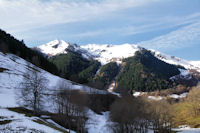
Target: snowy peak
{"type": "Point", "coordinates": [106, 53]}
{"type": "Point", "coordinates": [177, 61]}
{"type": "Point", "coordinates": [57, 47]}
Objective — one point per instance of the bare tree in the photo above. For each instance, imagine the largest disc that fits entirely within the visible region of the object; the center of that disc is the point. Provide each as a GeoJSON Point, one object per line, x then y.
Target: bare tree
{"type": "Point", "coordinates": [160, 116]}
{"type": "Point", "coordinates": [71, 108]}
{"type": "Point", "coordinates": [32, 90]}
{"type": "Point", "coordinates": [193, 100]}
{"type": "Point", "coordinates": [129, 116]}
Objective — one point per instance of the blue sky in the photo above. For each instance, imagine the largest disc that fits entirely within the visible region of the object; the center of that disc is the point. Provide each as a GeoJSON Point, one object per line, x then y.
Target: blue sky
{"type": "Point", "coordinates": [169, 26]}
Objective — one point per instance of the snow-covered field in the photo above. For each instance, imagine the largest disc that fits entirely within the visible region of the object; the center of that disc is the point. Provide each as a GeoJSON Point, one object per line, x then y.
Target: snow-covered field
{"type": "Point", "coordinates": [98, 123]}
{"type": "Point", "coordinates": [186, 129]}
{"type": "Point", "coordinates": [18, 123]}
{"type": "Point", "coordinates": [12, 75]}
{"type": "Point", "coordinates": [16, 68]}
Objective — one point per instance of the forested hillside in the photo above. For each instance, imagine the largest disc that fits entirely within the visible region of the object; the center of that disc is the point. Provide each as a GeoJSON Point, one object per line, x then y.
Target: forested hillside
{"type": "Point", "coordinates": [107, 73]}
{"type": "Point", "coordinates": [145, 72]}
{"type": "Point", "coordinates": [9, 44]}
{"type": "Point", "coordinates": [74, 67]}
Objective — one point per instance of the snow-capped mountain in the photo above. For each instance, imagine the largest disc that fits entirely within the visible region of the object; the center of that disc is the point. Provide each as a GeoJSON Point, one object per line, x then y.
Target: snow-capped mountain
{"type": "Point", "coordinates": [177, 61]}
{"type": "Point", "coordinates": [61, 47]}
{"type": "Point", "coordinates": [107, 53]}
{"type": "Point", "coordinates": [55, 47]}
{"type": "Point", "coordinates": [103, 53]}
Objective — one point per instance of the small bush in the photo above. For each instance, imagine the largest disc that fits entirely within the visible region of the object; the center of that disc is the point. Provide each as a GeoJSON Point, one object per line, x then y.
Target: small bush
{"type": "Point", "coordinates": [5, 122]}
{"type": "Point", "coordinates": [3, 69]}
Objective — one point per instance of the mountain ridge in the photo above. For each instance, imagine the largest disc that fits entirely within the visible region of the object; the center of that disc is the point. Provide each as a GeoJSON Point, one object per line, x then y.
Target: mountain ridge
{"type": "Point", "coordinates": [106, 53]}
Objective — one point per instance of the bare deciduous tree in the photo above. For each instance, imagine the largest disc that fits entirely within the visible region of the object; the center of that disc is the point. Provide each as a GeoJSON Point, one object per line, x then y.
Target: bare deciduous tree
{"type": "Point", "coordinates": [71, 108]}
{"type": "Point", "coordinates": [160, 116]}
{"type": "Point", "coordinates": [32, 90]}
{"type": "Point", "coordinates": [129, 116]}
{"type": "Point", "coordinates": [193, 100]}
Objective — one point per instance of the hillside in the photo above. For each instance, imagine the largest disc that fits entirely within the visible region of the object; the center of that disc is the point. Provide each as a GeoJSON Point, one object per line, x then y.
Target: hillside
{"type": "Point", "coordinates": [12, 71]}
{"type": "Point", "coordinates": [150, 70]}
{"type": "Point", "coordinates": [106, 53]}
{"type": "Point", "coordinates": [8, 44]}
{"type": "Point", "coordinates": [144, 72]}
{"type": "Point", "coordinates": [74, 67]}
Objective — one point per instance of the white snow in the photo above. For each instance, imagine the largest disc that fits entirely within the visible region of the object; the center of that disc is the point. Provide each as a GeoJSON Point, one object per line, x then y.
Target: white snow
{"type": "Point", "coordinates": [111, 87]}
{"type": "Point", "coordinates": [54, 47]}
{"type": "Point", "coordinates": [186, 129]}
{"type": "Point", "coordinates": [107, 53]}
{"type": "Point", "coordinates": [177, 61]}
{"type": "Point", "coordinates": [178, 96]}
{"type": "Point", "coordinates": [17, 67]}
{"type": "Point", "coordinates": [21, 123]}
{"type": "Point", "coordinates": [98, 123]}
{"type": "Point", "coordinates": [157, 98]}
{"type": "Point", "coordinates": [9, 83]}
{"type": "Point", "coordinates": [195, 63]}
{"type": "Point", "coordinates": [137, 94]}
{"type": "Point", "coordinates": [55, 124]}
{"type": "Point", "coordinates": [184, 72]}
{"type": "Point", "coordinates": [59, 47]}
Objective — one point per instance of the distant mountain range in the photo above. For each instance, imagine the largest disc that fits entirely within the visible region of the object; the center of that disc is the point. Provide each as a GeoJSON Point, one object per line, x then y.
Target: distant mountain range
{"type": "Point", "coordinates": [126, 66]}
{"type": "Point", "coordinates": [106, 53]}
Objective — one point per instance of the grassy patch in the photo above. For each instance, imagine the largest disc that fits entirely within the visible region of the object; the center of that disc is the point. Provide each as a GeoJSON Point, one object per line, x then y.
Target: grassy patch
{"type": "Point", "coordinates": [49, 125]}
{"type": "Point", "coordinates": [2, 69]}
{"type": "Point", "coordinates": [5, 122]}
{"type": "Point", "coordinates": [33, 68]}
{"type": "Point", "coordinates": [183, 115]}
{"type": "Point", "coordinates": [21, 110]}
{"type": "Point", "coordinates": [28, 113]}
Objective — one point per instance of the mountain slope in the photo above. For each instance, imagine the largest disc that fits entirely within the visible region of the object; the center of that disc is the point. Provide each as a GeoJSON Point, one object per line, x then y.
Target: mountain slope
{"type": "Point", "coordinates": [74, 67]}
{"type": "Point", "coordinates": [139, 68]}
{"type": "Point", "coordinates": [8, 44]}
{"type": "Point", "coordinates": [144, 72]}
{"type": "Point", "coordinates": [57, 47]}
{"type": "Point", "coordinates": [12, 70]}
{"type": "Point", "coordinates": [107, 53]}
{"type": "Point", "coordinates": [177, 61]}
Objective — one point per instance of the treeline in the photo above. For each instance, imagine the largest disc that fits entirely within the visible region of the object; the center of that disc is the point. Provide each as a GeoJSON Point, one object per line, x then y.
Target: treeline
{"type": "Point", "coordinates": [107, 73]}
{"type": "Point", "coordinates": [142, 114]}
{"type": "Point", "coordinates": [74, 67]}
{"type": "Point", "coordinates": [9, 44]}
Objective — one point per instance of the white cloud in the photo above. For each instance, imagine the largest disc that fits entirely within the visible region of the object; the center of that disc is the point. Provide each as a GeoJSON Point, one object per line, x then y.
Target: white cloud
{"type": "Point", "coordinates": [19, 15]}
{"type": "Point", "coordinates": [161, 23]}
{"type": "Point", "coordinates": [183, 37]}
